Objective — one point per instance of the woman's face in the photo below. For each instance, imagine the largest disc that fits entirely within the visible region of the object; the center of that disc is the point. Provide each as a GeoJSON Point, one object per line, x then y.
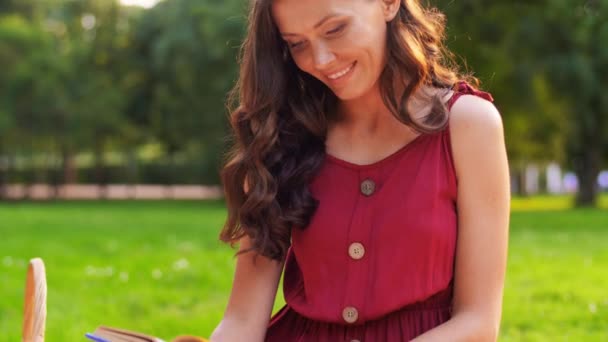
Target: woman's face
{"type": "Point", "coordinates": [340, 42]}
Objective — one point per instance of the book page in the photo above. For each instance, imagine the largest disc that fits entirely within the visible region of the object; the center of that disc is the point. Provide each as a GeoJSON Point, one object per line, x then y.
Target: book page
{"type": "Point", "coordinates": [122, 335]}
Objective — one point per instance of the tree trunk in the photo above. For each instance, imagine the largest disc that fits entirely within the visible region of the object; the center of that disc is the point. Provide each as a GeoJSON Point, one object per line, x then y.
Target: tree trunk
{"type": "Point", "coordinates": [68, 167]}
{"type": "Point", "coordinates": [27, 182]}
{"type": "Point", "coordinates": [587, 170]}
{"type": "Point", "coordinates": [519, 177]}
{"type": "Point", "coordinates": [3, 172]}
{"type": "Point", "coordinates": [587, 165]}
{"type": "Point", "coordinates": [170, 171]}
{"type": "Point", "coordinates": [53, 169]}
{"type": "Point", "coordinates": [589, 153]}
{"type": "Point", "coordinates": [100, 176]}
{"type": "Point", "coordinates": [131, 171]}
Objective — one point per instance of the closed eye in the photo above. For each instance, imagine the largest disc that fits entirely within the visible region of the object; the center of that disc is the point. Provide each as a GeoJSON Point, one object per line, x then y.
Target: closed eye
{"type": "Point", "coordinates": [337, 29]}
{"type": "Point", "coordinates": [295, 45]}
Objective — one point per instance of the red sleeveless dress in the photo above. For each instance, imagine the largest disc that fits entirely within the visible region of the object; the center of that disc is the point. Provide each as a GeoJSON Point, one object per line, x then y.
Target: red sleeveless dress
{"type": "Point", "coordinates": [376, 262]}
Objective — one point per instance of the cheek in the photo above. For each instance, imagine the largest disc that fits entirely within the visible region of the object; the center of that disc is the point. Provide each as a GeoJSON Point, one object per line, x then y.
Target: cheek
{"type": "Point", "coordinates": [304, 63]}
{"type": "Point", "coordinates": [368, 41]}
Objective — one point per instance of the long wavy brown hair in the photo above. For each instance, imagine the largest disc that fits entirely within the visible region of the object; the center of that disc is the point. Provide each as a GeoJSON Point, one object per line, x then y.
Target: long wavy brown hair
{"type": "Point", "coordinates": [279, 119]}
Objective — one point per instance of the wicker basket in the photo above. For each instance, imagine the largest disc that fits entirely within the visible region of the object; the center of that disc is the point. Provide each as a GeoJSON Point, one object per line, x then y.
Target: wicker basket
{"type": "Point", "coordinates": [34, 311]}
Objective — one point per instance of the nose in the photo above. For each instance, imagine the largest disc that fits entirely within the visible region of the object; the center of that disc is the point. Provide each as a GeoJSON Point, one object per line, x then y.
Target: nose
{"type": "Point", "coordinates": [322, 56]}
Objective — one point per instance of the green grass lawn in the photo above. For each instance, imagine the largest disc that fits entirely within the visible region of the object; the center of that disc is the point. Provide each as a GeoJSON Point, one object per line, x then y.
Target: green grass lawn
{"type": "Point", "coordinates": [158, 267]}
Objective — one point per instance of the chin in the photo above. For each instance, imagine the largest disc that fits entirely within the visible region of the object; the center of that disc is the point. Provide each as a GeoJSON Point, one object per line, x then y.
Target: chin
{"type": "Point", "coordinates": [346, 96]}
{"type": "Point", "coordinates": [350, 93]}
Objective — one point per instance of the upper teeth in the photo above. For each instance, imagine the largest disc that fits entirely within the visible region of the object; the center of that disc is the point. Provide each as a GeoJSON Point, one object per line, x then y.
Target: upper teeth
{"type": "Point", "coordinates": [340, 73]}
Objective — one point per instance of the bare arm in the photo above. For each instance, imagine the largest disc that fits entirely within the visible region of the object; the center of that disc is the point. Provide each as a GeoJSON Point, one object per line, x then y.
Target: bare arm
{"type": "Point", "coordinates": [483, 219]}
{"type": "Point", "coordinates": [250, 304]}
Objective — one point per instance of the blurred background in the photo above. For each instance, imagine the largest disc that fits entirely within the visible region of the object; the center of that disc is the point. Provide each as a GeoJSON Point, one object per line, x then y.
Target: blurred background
{"type": "Point", "coordinates": [105, 104]}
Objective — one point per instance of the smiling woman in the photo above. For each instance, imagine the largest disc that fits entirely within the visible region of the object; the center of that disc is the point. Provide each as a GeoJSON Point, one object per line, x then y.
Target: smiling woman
{"type": "Point", "coordinates": [369, 168]}
{"type": "Point", "coordinates": [141, 3]}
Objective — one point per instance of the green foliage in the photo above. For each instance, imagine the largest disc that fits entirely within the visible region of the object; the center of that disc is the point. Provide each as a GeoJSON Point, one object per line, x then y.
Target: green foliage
{"type": "Point", "coordinates": [486, 37]}
{"type": "Point", "coordinates": [93, 76]}
{"type": "Point", "coordinates": [545, 62]}
{"type": "Point", "coordinates": [16, 37]}
{"type": "Point", "coordinates": [190, 51]}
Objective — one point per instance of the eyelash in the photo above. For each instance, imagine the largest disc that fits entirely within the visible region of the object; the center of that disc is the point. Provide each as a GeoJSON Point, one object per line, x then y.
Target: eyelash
{"type": "Point", "coordinates": [337, 29]}
{"type": "Point", "coordinates": [330, 32]}
{"type": "Point", "coordinates": [295, 45]}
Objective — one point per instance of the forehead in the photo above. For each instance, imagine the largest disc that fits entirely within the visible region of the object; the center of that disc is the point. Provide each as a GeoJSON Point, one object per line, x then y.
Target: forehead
{"type": "Point", "coordinates": [298, 16]}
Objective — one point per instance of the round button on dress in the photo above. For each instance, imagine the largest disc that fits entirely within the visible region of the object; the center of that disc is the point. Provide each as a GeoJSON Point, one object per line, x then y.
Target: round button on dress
{"type": "Point", "coordinates": [356, 250]}
{"type": "Point", "coordinates": [350, 314]}
{"type": "Point", "coordinates": [368, 187]}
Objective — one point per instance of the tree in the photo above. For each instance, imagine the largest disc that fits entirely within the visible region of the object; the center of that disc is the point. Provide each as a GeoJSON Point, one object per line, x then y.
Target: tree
{"type": "Point", "coordinates": [17, 39]}
{"type": "Point", "coordinates": [543, 61]}
{"type": "Point", "coordinates": [575, 62]}
{"type": "Point", "coordinates": [190, 50]}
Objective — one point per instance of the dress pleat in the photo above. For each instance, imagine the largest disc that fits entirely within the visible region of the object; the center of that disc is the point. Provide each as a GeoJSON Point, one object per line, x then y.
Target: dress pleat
{"type": "Point", "coordinates": [402, 325]}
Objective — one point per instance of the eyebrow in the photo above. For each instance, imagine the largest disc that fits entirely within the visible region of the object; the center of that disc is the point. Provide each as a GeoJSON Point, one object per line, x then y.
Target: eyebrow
{"type": "Point", "coordinates": [321, 22]}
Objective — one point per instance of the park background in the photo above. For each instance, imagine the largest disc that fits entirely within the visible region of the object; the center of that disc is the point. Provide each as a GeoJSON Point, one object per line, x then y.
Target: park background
{"type": "Point", "coordinates": [122, 103]}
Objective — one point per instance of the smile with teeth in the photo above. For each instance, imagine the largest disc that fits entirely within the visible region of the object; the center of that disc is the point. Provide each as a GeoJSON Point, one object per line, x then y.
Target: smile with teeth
{"type": "Point", "coordinates": [341, 73]}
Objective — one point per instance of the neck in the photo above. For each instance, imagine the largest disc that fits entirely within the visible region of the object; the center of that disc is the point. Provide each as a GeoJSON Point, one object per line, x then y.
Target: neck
{"type": "Point", "coordinates": [365, 113]}
{"type": "Point", "coordinates": [368, 112]}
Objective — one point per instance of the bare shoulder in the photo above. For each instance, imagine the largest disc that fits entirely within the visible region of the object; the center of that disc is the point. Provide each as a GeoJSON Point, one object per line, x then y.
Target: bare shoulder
{"type": "Point", "coordinates": [474, 113]}
{"type": "Point", "coordinates": [477, 134]}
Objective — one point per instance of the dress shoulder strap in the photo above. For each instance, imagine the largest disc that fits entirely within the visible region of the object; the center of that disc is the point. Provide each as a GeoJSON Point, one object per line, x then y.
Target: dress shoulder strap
{"type": "Point", "coordinates": [463, 88]}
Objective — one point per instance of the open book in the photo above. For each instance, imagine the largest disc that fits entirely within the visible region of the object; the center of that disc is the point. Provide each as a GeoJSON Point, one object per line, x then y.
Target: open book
{"type": "Point", "coordinates": [108, 334]}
